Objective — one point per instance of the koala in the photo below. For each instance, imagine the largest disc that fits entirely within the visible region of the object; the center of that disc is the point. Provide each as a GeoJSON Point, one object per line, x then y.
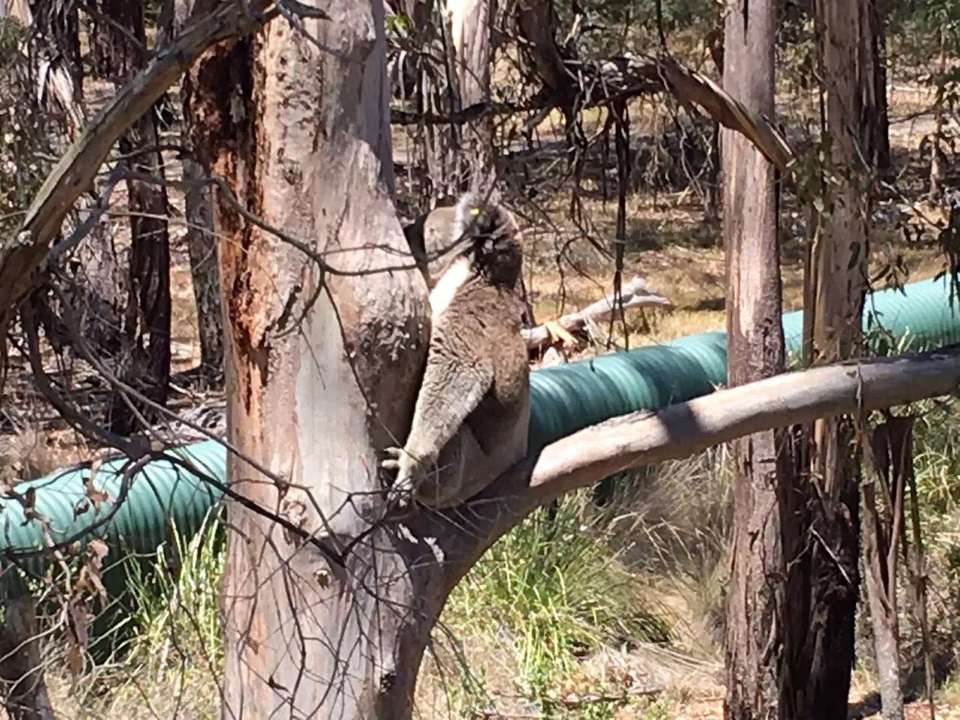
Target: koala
{"type": "Point", "coordinates": [433, 239]}
{"type": "Point", "coordinates": [471, 415]}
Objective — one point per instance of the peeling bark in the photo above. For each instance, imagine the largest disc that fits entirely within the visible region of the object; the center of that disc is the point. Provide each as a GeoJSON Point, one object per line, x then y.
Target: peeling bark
{"type": "Point", "coordinates": [762, 626]}
{"type": "Point", "coordinates": [839, 265]}
{"type": "Point", "coordinates": [321, 371]}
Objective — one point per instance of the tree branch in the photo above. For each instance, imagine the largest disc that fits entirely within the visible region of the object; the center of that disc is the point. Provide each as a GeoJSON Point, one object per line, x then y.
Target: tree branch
{"type": "Point", "coordinates": [633, 294]}
{"type": "Point", "coordinates": [686, 428]}
{"type": "Point", "coordinates": [22, 255]}
{"type": "Point", "coordinates": [678, 431]}
{"type": "Point", "coordinates": [692, 87]}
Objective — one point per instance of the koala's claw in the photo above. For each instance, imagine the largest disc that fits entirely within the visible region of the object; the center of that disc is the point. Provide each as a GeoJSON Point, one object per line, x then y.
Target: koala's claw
{"type": "Point", "coordinates": [400, 495]}
{"type": "Point", "coordinates": [392, 459]}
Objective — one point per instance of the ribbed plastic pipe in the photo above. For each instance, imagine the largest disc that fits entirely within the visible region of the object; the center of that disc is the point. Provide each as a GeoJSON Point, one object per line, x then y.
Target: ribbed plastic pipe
{"type": "Point", "coordinates": [923, 316]}
{"type": "Point", "coordinates": [564, 399]}
{"type": "Point", "coordinates": [567, 398]}
{"type": "Point", "coordinates": [161, 492]}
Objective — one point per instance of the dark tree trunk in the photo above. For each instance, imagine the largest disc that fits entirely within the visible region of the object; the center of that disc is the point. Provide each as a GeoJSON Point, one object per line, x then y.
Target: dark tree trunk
{"type": "Point", "coordinates": [882, 126]}
{"type": "Point", "coordinates": [99, 291]}
{"type": "Point", "coordinates": [201, 240]}
{"type": "Point", "coordinates": [887, 460]}
{"type": "Point", "coordinates": [204, 272]}
{"type": "Point", "coordinates": [838, 284]}
{"type": "Point", "coordinates": [712, 200]}
{"type": "Point", "coordinates": [938, 158]}
{"type": "Point", "coordinates": [21, 665]}
{"type": "Point", "coordinates": [761, 618]}
{"type": "Point", "coordinates": [145, 358]}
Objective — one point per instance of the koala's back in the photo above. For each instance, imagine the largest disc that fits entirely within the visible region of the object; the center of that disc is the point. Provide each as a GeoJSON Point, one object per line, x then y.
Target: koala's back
{"type": "Point", "coordinates": [482, 325]}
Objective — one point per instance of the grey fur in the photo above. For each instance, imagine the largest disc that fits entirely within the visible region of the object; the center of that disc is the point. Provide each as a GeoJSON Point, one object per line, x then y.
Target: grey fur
{"type": "Point", "coordinates": [471, 416]}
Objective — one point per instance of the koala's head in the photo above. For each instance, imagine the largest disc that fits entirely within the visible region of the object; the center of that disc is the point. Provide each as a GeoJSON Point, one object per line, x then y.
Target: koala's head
{"type": "Point", "coordinates": [489, 232]}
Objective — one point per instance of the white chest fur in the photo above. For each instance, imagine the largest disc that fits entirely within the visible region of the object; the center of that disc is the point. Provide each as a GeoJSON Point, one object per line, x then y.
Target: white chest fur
{"type": "Point", "coordinates": [452, 280]}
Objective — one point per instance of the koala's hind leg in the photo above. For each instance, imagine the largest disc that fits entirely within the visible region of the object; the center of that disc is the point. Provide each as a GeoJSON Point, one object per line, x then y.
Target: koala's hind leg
{"type": "Point", "coordinates": [463, 469]}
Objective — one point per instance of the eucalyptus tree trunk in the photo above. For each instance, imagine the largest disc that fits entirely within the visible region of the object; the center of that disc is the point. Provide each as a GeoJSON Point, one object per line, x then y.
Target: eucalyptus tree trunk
{"type": "Point", "coordinates": [322, 366]}
{"type": "Point", "coordinates": [120, 51]}
{"type": "Point", "coordinates": [24, 690]}
{"type": "Point", "coordinates": [470, 25]}
{"type": "Point", "coordinates": [762, 624]}
{"type": "Point", "coordinates": [200, 238]}
{"type": "Point", "coordinates": [881, 124]}
{"type": "Point", "coordinates": [204, 272]}
{"type": "Point", "coordinates": [838, 285]}
{"type": "Point", "coordinates": [887, 461]}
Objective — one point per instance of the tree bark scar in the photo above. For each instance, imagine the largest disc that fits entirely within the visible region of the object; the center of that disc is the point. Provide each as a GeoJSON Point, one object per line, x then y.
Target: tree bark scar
{"type": "Point", "coordinates": [223, 102]}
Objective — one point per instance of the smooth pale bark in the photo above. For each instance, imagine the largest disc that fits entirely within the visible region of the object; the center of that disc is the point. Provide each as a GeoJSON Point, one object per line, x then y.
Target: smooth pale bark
{"type": "Point", "coordinates": [580, 460]}
{"type": "Point", "coordinates": [470, 31]}
{"type": "Point", "coordinates": [687, 428]}
{"type": "Point", "coordinates": [839, 265]}
{"type": "Point", "coordinates": [767, 525]}
{"type": "Point", "coordinates": [321, 371]}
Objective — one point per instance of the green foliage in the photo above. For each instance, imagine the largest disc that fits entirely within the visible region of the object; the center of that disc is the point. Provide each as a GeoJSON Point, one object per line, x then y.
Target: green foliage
{"type": "Point", "coordinates": [914, 28]}
{"type": "Point", "coordinates": [609, 23]}
{"type": "Point", "coordinates": [176, 612]}
{"type": "Point", "coordinates": [937, 458]}
{"type": "Point", "coordinates": [25, 147]}
{"type": "Point", "coordinates": [11, 33]}
{"type": "Point", "coordinates": [558, 589]}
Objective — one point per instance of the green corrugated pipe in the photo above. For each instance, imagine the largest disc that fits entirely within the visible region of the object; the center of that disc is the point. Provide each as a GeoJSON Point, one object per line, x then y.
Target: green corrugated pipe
{"type": "Point", "coordinates": [567, 398]}
{"type": "Point", "coordinates": [160, 492]}
{"type": "Point", "coordinates": [564, 399]}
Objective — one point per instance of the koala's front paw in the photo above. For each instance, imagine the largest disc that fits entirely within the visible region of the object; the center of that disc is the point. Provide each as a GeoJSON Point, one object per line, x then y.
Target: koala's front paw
{"type": "Point", "coordinates": [404, 486]}
{"type": "Point", "coordinates": [392, 459]}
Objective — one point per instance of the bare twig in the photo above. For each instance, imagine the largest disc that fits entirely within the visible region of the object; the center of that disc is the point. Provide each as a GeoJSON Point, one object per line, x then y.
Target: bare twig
{"type": "Point", "coordinates": [633, 294]}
